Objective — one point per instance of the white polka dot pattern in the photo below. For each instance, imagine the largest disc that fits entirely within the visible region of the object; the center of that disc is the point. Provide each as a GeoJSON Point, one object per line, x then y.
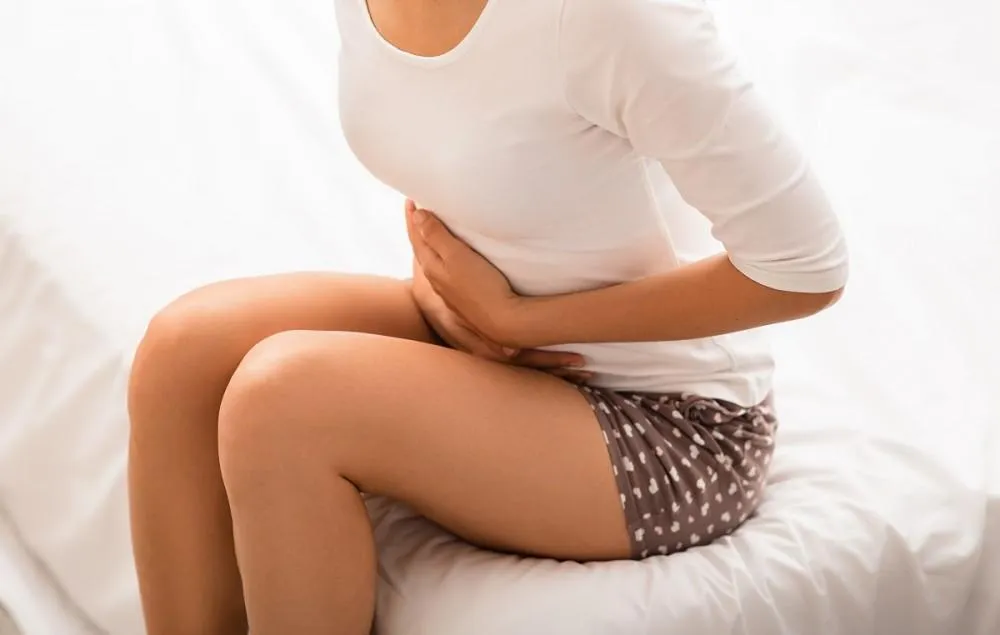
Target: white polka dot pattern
{"type": "Point", "coordinates": [689, 469]}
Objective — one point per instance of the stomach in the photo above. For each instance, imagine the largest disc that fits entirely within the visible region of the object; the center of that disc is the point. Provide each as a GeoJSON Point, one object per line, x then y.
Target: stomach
{"type": "Point", "coordinates": [736, 367]}
{"type": "Point", "coordinates": [555, 267]}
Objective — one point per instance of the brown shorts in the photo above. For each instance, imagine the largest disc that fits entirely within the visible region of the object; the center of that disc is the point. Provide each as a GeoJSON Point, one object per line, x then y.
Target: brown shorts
{"type": "Point", "coordinates": [689, 469]}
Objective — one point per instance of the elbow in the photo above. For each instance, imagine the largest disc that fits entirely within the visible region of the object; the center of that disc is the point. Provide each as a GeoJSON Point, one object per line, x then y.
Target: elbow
{"type": "Point", "coordinates": [807, 284]}
{"type": "Point", "coordinates": [822, 292]}
{"type": "Point", "coordinates": [813, 303]}
{"type": "Point", "coordinates": [825, 285]}
{"type": "Point", "coordinates": [799, 296]}
{"type": "Point", "coordinates": [800, 293]}
{"type": "Point", "coordinates": [837, 279]}
{"type": "Point", "coordinates": [786, 306]}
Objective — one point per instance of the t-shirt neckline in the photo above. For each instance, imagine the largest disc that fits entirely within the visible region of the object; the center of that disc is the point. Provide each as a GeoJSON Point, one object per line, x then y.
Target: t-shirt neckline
{"type": "Point", "coordinates": [433, 60]}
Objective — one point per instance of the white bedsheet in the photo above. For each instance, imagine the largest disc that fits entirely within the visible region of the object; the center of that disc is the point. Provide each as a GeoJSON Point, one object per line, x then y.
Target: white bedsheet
{"type": "Point", "coordinates": [146, 148]}
{"type": "Point", "coordinates": [30, 604]}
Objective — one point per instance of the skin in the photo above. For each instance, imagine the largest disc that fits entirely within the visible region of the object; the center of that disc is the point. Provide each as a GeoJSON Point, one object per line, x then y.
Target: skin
{"type": "Point", "coordinates": [702, 299]}
{"type": "Point", "coordinates": [234, 381]}
{"type": "Point", "coordinates": [261, 408]}
{"type": "Point", "coordinates": [452, 330]}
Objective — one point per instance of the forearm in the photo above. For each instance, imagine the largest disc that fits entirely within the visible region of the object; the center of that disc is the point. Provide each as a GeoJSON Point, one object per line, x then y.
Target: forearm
{"type": "Point", "coordinates": [706, 298]}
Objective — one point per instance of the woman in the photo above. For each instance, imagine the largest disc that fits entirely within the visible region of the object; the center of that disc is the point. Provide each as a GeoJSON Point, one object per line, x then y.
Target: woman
{"type": "Point", "coordinates": [562, 157]}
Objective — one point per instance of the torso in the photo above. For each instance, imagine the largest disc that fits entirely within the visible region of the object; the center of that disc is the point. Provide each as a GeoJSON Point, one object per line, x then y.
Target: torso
{"type": "Point", "coordinates": [466, 115]}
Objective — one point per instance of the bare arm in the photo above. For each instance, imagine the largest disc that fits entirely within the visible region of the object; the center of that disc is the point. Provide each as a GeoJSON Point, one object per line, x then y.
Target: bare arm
{"type": "Point", "coordinates": [658, 75]}
{"type": "Point", "coordinates": [706, 298]}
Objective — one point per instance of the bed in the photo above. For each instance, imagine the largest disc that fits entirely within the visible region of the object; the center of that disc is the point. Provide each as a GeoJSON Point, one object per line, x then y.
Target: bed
{"type": "Point", "coordinates": [146, 148]}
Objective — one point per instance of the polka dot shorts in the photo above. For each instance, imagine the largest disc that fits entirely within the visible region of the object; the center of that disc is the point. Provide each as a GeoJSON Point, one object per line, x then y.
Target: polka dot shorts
{"type": "Point", "coordinates": [689, 469]}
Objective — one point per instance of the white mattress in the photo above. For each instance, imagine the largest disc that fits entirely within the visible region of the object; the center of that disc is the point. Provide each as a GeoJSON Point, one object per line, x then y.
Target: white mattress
{"type": "Point", "coordinates": [146, 148]}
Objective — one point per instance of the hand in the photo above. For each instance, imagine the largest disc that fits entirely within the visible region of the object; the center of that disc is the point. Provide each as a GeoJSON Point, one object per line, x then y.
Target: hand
{"type": "Point", "coordinates": [465, 281]}
{"type": "Point", "coordinates": [458, 334]}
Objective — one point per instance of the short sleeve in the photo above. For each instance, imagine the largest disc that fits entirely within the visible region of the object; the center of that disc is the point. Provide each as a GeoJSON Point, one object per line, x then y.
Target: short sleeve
{"type": "Point", "coordinates": [657, 73]}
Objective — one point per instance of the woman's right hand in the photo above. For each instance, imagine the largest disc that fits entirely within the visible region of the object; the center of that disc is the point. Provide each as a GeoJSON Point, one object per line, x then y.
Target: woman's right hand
{"type": "Point", "coordinates": [455, 332]}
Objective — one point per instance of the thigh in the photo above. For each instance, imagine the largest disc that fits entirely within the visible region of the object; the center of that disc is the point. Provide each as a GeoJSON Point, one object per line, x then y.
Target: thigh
{"type": "Point", "coordinates": [251, 309]}
{"type": "Point", "coordinates": [508, 458]}
{"type": "Point", "coordinates": [192, 346]}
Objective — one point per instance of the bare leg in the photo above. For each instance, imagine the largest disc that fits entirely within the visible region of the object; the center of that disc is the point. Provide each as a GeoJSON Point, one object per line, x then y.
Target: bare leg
{"type": "Point", "coordinates": [181, 527]}
{"type": "Point", "coordinates": [507, 458]}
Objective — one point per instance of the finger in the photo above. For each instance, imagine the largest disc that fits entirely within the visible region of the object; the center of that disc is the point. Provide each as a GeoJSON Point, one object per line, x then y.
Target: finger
{"type": "Point", "coordinates": [575, 376]}
{"type": "Point", "coordinates": [411, 228]}
{"type": "Point", "coordinates": [450, 340]}
{"type": "Point", "coordinates": [421, 250]}
{"type": "Point", "coordinates": [457, 338]}
{"type": "Point", "coordinates": [435, 234]}
{"type": "Point", "coordinates": [549, 359]}
{"type": "Point", "coordinates": [471, 342]}
{"type": "Point", "coordinates": [480, 345]}
{"type": "Point", "coordinates": [487, 350]}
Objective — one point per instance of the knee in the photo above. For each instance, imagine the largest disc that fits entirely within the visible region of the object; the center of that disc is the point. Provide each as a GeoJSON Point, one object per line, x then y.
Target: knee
{"type": "Point", "coordinates": [177, 337]}
{"type": "Point", "coordinates": [269, 418]}
{"type": "Point", "coordinates": [182, 363]}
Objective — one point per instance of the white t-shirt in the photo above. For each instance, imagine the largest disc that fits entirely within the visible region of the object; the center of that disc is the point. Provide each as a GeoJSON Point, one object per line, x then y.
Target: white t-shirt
{"type": "Point", "coordinates": [583, 143]}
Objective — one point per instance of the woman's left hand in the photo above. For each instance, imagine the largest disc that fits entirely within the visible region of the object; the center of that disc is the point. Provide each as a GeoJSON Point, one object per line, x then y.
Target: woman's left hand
{"type": "Point", "coordinates": [471, 286]}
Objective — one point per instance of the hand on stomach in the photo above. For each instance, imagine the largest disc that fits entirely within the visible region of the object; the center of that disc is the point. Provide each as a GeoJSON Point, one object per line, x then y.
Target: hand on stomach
{"type": "Point", "coordinates": [457, 333]}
